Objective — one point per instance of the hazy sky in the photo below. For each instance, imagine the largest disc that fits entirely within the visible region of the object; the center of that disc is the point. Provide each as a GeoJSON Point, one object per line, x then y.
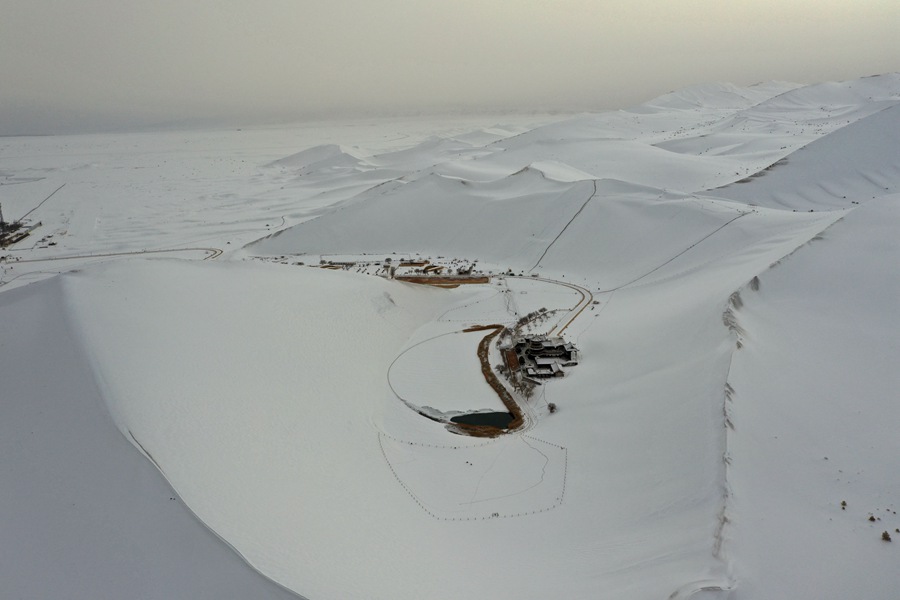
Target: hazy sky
{"type": "Point", "coordinates": [70, 65]}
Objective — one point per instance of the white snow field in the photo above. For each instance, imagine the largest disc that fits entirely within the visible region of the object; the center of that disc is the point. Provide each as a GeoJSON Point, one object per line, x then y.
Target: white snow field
{"type": "Point", "coordinates": [726, 260]}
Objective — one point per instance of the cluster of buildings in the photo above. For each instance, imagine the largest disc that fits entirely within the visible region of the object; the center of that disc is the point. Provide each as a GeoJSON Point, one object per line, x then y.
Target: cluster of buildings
{"type": "Point", "coordinates": [14, 231]}
{"type": "Point", "coordinates": [540, 356]}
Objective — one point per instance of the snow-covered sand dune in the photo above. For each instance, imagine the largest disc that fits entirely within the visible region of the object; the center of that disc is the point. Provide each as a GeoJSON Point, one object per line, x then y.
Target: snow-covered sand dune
{"type": "Point", "coordinates": [732, 334]}
{"type": "Point", "coordinates": [83, 514]}
{"type": "Point", "coordinates": [815, 417]}
{"type": "Point", "coordinates": [850, 164]}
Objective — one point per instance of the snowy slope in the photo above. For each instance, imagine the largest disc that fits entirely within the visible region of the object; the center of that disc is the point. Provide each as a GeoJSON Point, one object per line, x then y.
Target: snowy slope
{"type": "Point", "coordinates": [722, 326]}
{"type": "Point", "coordinates": [84, 515]}
{"type": "Point", "coordinates": [848, 166]}
{"type": "Point", "coordinates": [815, 417]}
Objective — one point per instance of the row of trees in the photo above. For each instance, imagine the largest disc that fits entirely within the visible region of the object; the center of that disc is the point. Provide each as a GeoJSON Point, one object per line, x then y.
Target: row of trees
{"type": "Point", "coordinates": [519, 382]}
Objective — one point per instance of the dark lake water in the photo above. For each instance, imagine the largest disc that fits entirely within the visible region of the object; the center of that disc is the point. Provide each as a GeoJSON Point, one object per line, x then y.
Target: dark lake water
{"type": "Point", "coordinates": [500, 420]}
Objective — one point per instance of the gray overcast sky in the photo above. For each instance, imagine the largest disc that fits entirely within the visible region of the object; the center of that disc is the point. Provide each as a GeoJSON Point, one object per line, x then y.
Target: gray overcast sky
{"type": "Point", "coordinates": [73, 65]}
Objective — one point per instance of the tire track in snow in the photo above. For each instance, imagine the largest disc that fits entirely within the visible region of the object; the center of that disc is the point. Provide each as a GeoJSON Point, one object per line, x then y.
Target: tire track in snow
{"type": "Point", "coordinates": [689, 248]}
{"type": "Point", "coordinates": [547, 249]}
{"type": "Point", "coordinates": [213, 253]}
{"type": "Point", "coordinates": [42, 202]}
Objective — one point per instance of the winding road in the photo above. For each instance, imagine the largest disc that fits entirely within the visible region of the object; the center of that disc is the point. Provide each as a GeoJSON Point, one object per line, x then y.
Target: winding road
{"type": "Point", "coordinates": [587, 297]}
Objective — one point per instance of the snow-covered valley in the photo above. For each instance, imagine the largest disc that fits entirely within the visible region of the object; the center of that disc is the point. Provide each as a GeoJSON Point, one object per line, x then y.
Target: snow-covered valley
{"type": "Point", "coordinates": [218, 307]}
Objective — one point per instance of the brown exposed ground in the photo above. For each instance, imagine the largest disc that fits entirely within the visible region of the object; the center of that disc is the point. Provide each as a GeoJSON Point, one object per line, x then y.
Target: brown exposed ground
{"type": "Point", "coordinates": [475, 328]}
{"type": "Point", "coordinates": [508, 401]}
{"type": "Point", "coordinates": [512, 359]}
{"type": "Point", "coordinates": [443, 281]}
